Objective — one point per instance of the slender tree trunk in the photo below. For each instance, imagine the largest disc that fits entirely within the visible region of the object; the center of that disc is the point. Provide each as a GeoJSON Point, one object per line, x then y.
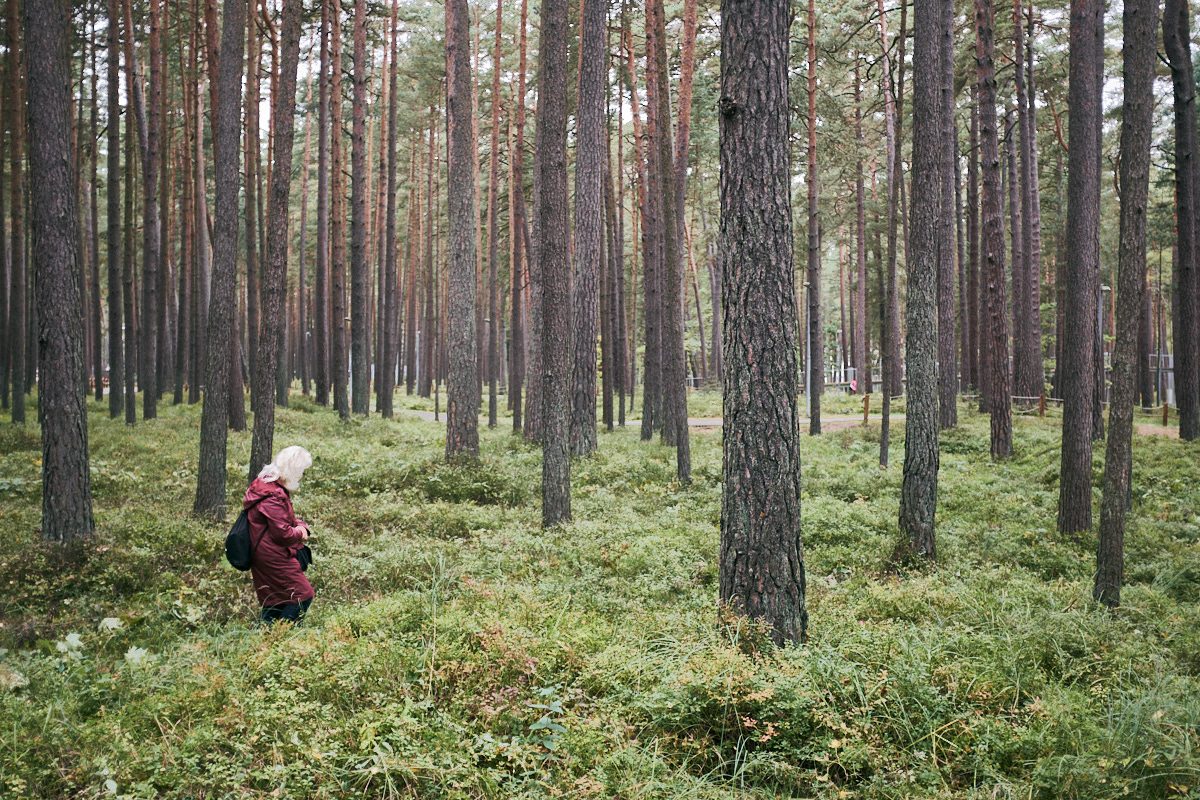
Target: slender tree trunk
{"type": "Point", "coordinates": [674, 358]}
{"type": "Point", "coordinates": [386, 368]}
{"type": "Point", "coordinates": [762, 556]}
{"type": "Point", "coordinates": [1083, 269]}
{"type": "Point", "coordinates": [888, 323]}
{"type": "Point", "coordinates": [359, 310]}
{"type": "Point", "coordinates": [815, 350]}
{"type": "Point", "coordinates": [589, 222]}
{"type": "Point", "coordinates": [66, 485]}
{"type": "Point", "coordinates": [462, 412]}
{"type": "Point", "coordinates": [862, 350]}
{"type": "Point", "coordinates": [253, 145]}
{"type": "Point", "coordinates": [553, 263]}
{"type": "Point", "coordinates": [18, 301]}
{"type": "Point", "coordinates": [493, 253]}
{"type": "Point", "coordinates": [1139, 53]}
{"type": "Point", "coordinates": [337, 248]}
{"type": "Point", "coordinates": [1177, 41]}
{"type": "Point", "coordinates": [274, 287]}
{"type": "Point", "coordinates": [94, 315]}
{"type": "Point", "coordinates": [996, 339]}
{"type": "Point", "coordinates": [947, 353]}
{"type": "Point", "coordinates": [321, 299]}
{"type": "Point", "coordinates": [425, 385]}
{"type": "Point", "coordinates": [303, 345]}
{"type": "Point", "coordinates": [128, 288]}
{"type": "Point", "coordinates": [976, 305]}
{"type": "Point", "coordinates": [116, 367]}
{"type": "Point", "coordinates": [210, 489]}
{"type": "Point", "coordinates": [1028, 373]}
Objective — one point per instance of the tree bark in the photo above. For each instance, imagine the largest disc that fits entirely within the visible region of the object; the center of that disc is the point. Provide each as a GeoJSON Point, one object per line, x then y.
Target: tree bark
{"type": "Point", "coordinates": [1083, 268]}
{"type": "Point", "coordinates": [815, 350]}
{"type": "Point", "coordinates": [493, 320]}
{"type": "Point", "coordinates": [462, 410]}
{"type": "Point", "coordinates": [210, 488]}
{"type": "Point", "coordinates": [320, 315]}
{"type": "Point", "coordinates": [762, 556]}
{"type": "Point", "coordinates": [926, 267]}
{"type": "Point", "coordinates": [1138, 56]}
{"type": "Point", "coordinates": [66, 485]}
{"type": "Point", "coordinates": [359, 309]}
{"type": "Point", "coordinates": [18, 301]}
{"type": "Point", "coordinates": [947, 353]}
{"type": "Point", "coordinates": [337, 247]}
{"type": "Point", "coordinates": [995, 338]}
{"type": "Point", "coordinates": [116, 367]}
{"type": "Point", "coordinates": [385, 370]}
{"type": "Point", "coordinates": [1177, 42]}
{"type": "Point", "coordinates": [274, 287]}
{"type": "Point", "coordinates": [589, 221]}
{"type": "Point", "coordinates": [553, 264]}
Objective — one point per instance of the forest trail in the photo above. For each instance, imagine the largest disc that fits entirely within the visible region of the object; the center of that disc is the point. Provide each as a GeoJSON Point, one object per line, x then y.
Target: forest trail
{"type": "Point", "coordinates": [838, 423]}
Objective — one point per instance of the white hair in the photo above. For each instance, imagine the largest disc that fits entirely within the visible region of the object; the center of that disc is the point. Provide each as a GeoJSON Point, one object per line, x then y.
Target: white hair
{"type": "Point", "coordinates": [287, 468]}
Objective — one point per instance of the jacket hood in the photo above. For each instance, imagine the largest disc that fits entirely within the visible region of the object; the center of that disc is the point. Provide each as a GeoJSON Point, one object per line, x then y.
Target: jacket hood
{"type": "Point", "coordinates": [259, 489]}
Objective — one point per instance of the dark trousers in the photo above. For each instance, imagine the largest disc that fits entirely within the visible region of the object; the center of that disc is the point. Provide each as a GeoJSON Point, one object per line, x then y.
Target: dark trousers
{"type": "Point", "coordinates": [293, 612]}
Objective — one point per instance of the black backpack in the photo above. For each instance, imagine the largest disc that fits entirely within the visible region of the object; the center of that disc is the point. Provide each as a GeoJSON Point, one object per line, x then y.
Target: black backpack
{"type": "Point", "coordinates": [239, 549]}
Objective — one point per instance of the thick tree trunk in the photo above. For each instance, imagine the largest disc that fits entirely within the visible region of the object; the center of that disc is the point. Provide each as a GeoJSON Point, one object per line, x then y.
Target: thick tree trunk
{"type": "Point", "coordinates": [360, 359]}
{"type": "Point", "coordinates": [1083, 269]}
{"type": "Point", "coordinates": [274, 287]}
{"type": "Point", "coordinates": [66, 484]}
{"type": "Point", "coordinates": [210, 489]}
{"type": "Point", "coordinates": [1139, 52]}
{"type": "Point", "coordinates": [918, 494]}
{"type": "Point", "coordinates": [995, 337]}
{"type": "Point", "coordinates": [589, 222]}
{"type": "Point", "coordinates": [462, 411]}
{"type": "Point", "coordinates": [762, 557]}
{"type": "Point", "coordinates": [554, 264]}
{"type": "Point", "coordinates": [1177, 41]}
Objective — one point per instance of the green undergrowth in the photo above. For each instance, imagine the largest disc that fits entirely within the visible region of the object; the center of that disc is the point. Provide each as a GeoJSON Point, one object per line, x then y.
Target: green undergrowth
{"type": "Point", "coordinates": [455, 650]}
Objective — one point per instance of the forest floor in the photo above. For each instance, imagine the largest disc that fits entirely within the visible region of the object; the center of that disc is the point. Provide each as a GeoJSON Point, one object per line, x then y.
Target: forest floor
{"type": "Point", "coordinates": [455, 650]}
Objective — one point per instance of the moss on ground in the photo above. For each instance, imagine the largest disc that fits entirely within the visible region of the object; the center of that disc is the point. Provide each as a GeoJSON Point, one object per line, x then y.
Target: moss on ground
{"type": "Point", "coordinates": [455, 650]}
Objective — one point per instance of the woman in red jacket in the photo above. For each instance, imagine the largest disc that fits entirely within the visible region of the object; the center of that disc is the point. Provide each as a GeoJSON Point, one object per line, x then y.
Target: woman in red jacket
{"type": "Point", "coordinates": [276, 535]}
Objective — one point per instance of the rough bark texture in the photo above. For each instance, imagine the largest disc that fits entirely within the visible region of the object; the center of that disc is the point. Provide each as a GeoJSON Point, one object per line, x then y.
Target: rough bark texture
{"type": "Point", "coordinates": [762, 557]}
{"type": "Point", "coordinates": [994, 338]}
{"type": "Point", "coordinates": [945, 312]}
{"type": "Point", "coordinates": [210, 484]}
{"type": "Point", "coordinates": [971, 321]}
{"type": "Point", "coordinates": [360, 358]}
{"type": "Point", "coordinates": [861, 350]}
{"type": "Point", "coordinates": [462, 409]}
{"type": "Point", "coordinates": [116, 386]}
{"type": "Point", "coordinates": [554, 264]}
{"type": "Point", "coordinates": [887, 284]}
{"type": "Point", "coordinates": [1083, 268]}
{"type": "Point", "coordinates": [589, 222]}
{"type": "Point", "coordinates": [274, 285]}
{"type": "Point", "coordinates": [1177, 43]}
{"type": "Point", "coordinates": [918, 494]}
{"type": "Point", "coordinates": [66, 484]}
{"type": "Point", "coordinates": [1140, 32]}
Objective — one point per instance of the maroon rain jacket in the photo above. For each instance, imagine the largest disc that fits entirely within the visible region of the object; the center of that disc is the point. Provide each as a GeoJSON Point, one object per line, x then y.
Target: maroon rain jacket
{"type": "Point", "coordinates": [275, 536]}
